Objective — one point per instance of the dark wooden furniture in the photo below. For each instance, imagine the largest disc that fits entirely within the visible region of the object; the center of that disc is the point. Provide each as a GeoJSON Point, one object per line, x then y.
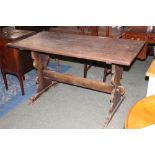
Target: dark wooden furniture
{"type": "Point", "coordinates": [116, 52]}
{"type": "Point", "coordinates": [12, 61]}
{"type": "Point", "coordinates": [140, 33]}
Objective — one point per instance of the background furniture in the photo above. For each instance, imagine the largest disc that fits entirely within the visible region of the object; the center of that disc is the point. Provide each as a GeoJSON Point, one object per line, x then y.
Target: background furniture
{"type": "Point", "coordinates": [13, 61]}
{"type": "Point", "coordinates": [140, 33]}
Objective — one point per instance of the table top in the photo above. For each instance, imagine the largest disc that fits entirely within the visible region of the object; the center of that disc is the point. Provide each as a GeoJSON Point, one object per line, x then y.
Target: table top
{"type": "Point", "coordinates": [15, 34]}
{"type": "Point", "coordinates": [104, 49]}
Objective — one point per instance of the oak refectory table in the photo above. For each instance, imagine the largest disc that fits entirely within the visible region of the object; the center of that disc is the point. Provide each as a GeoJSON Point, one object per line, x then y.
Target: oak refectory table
{"type": "Point", "coordinates": [116, 52]}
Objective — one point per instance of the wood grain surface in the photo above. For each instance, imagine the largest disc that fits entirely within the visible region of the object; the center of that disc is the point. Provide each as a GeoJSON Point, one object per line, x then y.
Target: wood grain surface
{"type": "Point", "coordinates": [109, 50]}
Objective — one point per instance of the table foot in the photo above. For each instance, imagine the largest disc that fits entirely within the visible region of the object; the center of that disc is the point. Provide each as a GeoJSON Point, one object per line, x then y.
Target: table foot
{"type": "Point", "coordinates": [111, 114]}
{"type": "Point", "coordinates": [38, 94]}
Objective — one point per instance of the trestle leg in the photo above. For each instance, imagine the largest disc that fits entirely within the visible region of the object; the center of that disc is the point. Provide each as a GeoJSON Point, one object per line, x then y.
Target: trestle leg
{"type": "Point", "coordinates": [116, 97]}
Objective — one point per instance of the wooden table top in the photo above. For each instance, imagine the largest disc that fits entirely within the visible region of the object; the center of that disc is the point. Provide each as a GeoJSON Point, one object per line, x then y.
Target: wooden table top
{"type": "Point", "coordinates": [15, 34]}
{"type": "Point", "coordinates": [116, 51]}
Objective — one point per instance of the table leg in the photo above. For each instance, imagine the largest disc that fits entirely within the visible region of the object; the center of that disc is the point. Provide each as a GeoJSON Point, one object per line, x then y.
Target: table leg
{"type": "Point", "coordinates": [43, 83]}
{"type": "Point", "coordinates": [116, 97]}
